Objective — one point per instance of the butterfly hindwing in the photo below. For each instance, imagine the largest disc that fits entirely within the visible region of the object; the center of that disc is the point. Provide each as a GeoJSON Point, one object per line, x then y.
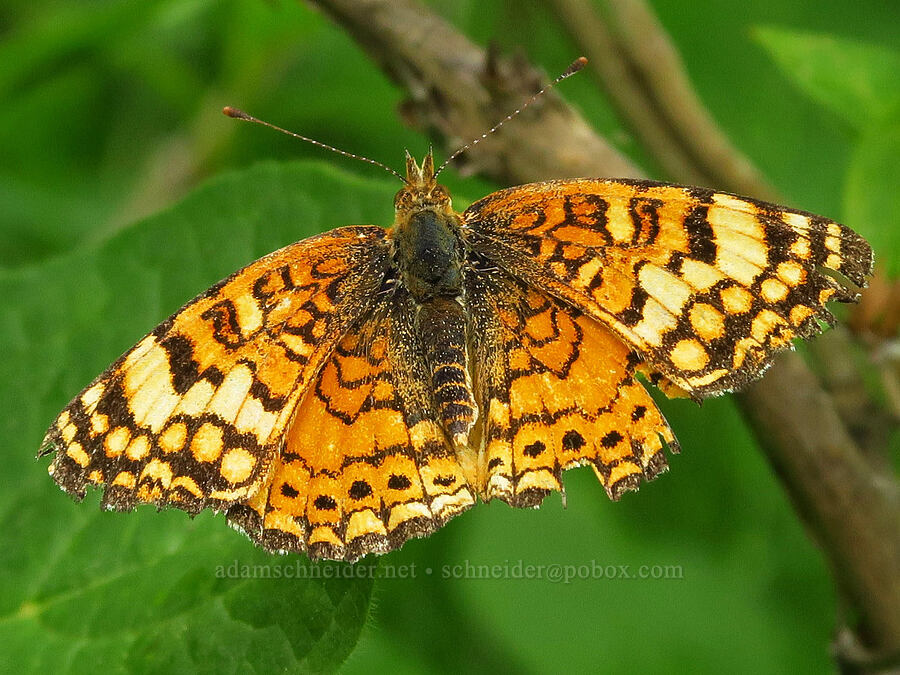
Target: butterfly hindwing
{"type": "Point", "coordinates": [365, 464]}
{"type": "Point", "coordinates": [557, 390]}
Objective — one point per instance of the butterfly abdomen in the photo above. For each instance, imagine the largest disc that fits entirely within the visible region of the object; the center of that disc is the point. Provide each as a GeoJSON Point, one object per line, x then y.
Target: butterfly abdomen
{"type": "Point", "coordinates": [441, 325]}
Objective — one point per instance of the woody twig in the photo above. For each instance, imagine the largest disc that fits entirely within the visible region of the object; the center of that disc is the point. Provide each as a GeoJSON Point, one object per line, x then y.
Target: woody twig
{"type": "Point", "coordinates": [636, 63]}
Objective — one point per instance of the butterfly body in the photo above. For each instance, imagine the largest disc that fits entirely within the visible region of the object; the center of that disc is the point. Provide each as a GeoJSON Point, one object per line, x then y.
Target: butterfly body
{"type": "Point", "coordinates": [430, 255]}
{"type": "Point", "coordinates": [364, 386]}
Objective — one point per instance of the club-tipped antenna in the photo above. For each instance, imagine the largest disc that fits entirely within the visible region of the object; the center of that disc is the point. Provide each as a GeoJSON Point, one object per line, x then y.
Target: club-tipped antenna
{"type": "Point", "coordinates": [575, 66]}
{"type": "Point", "coordinates": [241, 115]}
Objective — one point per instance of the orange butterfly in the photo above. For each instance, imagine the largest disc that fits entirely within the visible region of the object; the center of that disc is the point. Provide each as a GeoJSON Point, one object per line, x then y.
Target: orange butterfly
{"type": "Point", "coordinates": [364, 386]}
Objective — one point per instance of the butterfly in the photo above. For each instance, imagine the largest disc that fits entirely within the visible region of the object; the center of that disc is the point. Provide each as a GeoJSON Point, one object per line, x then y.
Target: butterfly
{"type": "Point", "coordinates": [364, 386]}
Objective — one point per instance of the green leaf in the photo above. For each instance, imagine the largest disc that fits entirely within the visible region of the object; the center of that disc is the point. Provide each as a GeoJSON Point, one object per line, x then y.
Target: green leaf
{"type": "Point", "coordinates": [58, 35]}
{"type": "Point", "coordinates": [89, 591]}
{"type": "Point", "coordinates": [855, 80]}
{"type": "Point", "coordinates": [871, 195]}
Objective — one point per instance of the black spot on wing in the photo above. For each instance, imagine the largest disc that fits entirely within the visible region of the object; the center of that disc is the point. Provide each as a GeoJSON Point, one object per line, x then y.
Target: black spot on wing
{"type": "Point", "coordinates": [701, 239]}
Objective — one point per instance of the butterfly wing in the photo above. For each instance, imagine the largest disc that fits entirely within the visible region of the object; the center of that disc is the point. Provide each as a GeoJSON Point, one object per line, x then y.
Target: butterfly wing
{"type": "Point", "coordinates": [557, 390]}
{"type": "Point", "coordinates": [194, 415]}
{"type": "Point", "coordinates": [705, 286]}
{"type": "Point", "coordinates": [366, 464]}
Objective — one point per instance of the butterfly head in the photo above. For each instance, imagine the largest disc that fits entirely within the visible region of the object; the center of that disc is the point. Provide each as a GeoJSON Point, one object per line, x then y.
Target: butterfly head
{"type": "Point", "coordinates": [421, 192]}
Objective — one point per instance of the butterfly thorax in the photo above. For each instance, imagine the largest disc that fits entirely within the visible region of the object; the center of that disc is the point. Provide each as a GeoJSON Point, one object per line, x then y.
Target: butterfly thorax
{"type": "Point", "coordinates": [429, 254]}
{"type": "Point", "coordinates": [427, 248]}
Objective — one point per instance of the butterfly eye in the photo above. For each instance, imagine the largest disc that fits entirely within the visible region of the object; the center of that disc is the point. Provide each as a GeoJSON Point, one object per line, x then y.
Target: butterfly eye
{"type": "Point", "coordinates": [402, 200]}
{"type": "Point", "coordinates": [439, 194]}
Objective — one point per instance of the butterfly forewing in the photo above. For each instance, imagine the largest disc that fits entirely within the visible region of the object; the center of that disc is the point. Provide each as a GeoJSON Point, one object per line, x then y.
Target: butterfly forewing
{"type": "Point", "coordinates": [704, 286]}
{"type": "Point", "coordinates": [194, 414]}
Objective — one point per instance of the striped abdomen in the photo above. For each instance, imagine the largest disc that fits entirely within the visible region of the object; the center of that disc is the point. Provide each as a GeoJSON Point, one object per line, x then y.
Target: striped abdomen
{"type": "Point", "coordinates": [441, 325]}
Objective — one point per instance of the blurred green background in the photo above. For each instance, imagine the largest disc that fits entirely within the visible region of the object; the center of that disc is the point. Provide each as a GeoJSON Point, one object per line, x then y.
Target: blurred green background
{"type": "Point", "coordinates": [111, 113]}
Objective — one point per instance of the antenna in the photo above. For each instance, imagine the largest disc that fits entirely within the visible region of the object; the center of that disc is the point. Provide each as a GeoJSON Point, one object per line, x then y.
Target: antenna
{"type": "Point", "coordinates": [241, 115]}
{"type": "Point", "coordinates": [573, 68]}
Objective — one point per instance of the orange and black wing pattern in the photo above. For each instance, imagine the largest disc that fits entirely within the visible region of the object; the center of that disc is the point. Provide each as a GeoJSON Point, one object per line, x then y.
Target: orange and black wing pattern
{"type": "Point", "coordinates": [362, 387]}
{"type": "Point", "coordinates": [557, 390]}
{"type": "Point", "coordinates": [365, 464]}
{"type": "Point", "coordinates": [194, 415]}
{"type": "Point", "coordinates": [704, 286]}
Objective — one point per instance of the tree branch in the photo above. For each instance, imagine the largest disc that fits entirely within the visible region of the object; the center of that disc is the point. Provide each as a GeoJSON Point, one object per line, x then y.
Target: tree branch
{"type": "Point", "coordinates": [458, 92]}
{"type": "Point", "coordinates": [851, 507]}
{"type": "Point", "coordinates": [640, 69]}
